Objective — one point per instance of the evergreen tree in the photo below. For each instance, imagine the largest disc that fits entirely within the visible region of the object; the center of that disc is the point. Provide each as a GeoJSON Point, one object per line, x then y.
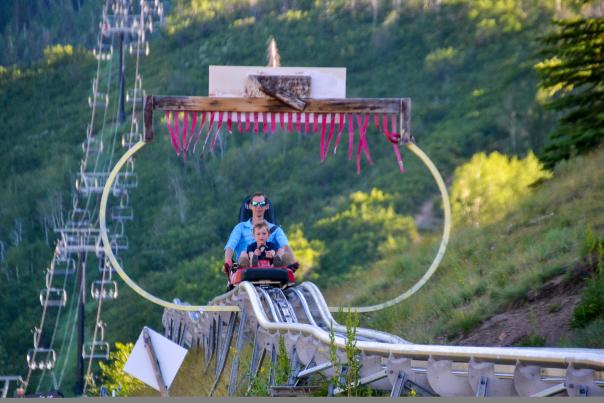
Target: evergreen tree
{"type": "Point", "coordinates": [573, 75]}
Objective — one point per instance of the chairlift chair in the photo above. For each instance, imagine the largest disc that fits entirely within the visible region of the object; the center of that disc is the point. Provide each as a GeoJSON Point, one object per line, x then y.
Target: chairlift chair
{"type": "Point", "coordinates": [103, 51]}
{"type": "Point", "coordinates": [103, 290]}
{"type": "Point", "coordinates": [61, 253]}
{"type": "Point", "coordinates": [105, 267]}
{"type": "Point", "coordinates": [118, 241]}
{"type": "Point", "coordinates": [7, 380]}
{"type": "Point", "coordinates": [92, 145]}
{"type": "Point", "coordinates": [119, 213]}
{"type": "Point", "coordinates": [128, 180]}
{"type": "Point", "coordinates": [41, 358]}
{"type": "Point", "coordinates": [53, 297]}
{"type": "Point", "coordinates": [79, 218]}
{"type": "Point", "coordinates": [98, 100]}
{"type": "Point", "coordinates": [75, 243]}
{"type": "Point", "coordinates": [51, 274]}
{"type": "Point", "coordinates": [130, 139]}
{"type": "Point", "coordinates": [62, 267]}
{"type": "Point", "coordinates": [135, 95]}
{"type": "Point", "coordinates": [100, 251]}
{"type": "Point", "coordinates": [96, 350]}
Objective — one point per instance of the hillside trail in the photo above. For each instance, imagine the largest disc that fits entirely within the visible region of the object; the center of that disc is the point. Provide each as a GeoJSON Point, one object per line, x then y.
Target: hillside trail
{"type": "Point", "coordinates": [544, 314]}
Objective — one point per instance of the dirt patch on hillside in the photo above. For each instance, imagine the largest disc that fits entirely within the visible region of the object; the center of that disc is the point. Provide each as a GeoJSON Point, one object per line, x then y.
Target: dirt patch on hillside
{"type": "Point", "coordinates": [545, 315]}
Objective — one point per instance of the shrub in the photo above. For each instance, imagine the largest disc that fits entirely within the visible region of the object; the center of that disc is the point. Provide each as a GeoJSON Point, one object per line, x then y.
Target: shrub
{"type": "Point", "coordinates": [486, 188]}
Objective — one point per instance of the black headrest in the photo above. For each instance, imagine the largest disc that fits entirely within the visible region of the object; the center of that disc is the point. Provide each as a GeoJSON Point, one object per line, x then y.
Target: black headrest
{"type": "Point", "coordinates": [245, 213]}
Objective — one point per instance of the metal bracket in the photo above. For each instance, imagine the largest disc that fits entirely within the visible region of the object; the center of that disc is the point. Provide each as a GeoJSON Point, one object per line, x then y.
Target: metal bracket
{"type": "Point", "coordinates": [399, 384]}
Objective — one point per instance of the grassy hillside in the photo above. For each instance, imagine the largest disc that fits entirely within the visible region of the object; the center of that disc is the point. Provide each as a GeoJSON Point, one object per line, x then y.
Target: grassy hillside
{"type": "Point", "coordinates": [444, 58]}
{"type": "Point", "coordinates": [543, 248]}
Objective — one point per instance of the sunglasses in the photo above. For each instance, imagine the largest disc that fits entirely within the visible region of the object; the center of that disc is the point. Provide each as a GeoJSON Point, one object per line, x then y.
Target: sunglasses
{"type": "Point", "coordinates": [258, 204]}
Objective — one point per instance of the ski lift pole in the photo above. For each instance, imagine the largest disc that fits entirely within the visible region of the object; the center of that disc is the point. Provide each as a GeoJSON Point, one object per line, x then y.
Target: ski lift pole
{"type": "Point", "coordinates": [80, 383]}
{"type": "Point", "coordinates": [122, 85]}
{"type": "Point", "coordinates": [163, 390]}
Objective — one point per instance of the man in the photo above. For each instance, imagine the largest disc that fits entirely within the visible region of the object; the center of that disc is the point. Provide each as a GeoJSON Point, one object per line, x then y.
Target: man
{"type": "Point", "coordinates": [242, 236]}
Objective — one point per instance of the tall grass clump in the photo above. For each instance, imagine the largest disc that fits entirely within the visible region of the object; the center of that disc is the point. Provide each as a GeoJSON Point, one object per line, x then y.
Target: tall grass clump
{"type": "Point", "coordinates": [591, 306]}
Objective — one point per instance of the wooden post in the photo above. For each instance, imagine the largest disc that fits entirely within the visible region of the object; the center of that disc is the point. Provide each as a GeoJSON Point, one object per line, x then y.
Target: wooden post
{"type": "Point", "coordinates": [163, 390]}
{"type": "Point", "coordinates": [148, 117]}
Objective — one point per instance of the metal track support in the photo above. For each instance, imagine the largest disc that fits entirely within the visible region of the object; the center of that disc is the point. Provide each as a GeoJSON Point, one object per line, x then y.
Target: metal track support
{"type": "Point", "coordinates": [271, 379]}
{"type": "Point", "coordinates": [292, 380]}
{"type": "Point", "coordinates": [224, 351]}
{"type": "Point", "coordinates": [399, 385]}
{"type": "Point", "coordinates": [317, 368]}
{"type": "Point", "coordinates": [210, 342]}
{"type": "Point", "coordinates": [550, 391]}
{"type": "Point", "coordinates": [235, 364]}
{"type": "Point", "coordinates": [482, 387]}
{"type": "Point", "coordinates": [217, 340]}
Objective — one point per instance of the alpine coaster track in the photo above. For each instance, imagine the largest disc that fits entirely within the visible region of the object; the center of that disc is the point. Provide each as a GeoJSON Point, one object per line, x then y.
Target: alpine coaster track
{"type": "Point", "coordinates": [388, 363]}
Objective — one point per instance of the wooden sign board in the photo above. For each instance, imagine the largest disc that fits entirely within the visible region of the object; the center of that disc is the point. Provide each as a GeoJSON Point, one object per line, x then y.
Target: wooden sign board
{"type": "Point", "coordinates": [233, 81]}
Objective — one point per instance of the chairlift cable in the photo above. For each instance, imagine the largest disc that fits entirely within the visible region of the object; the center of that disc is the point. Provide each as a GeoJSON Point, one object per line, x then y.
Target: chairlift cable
{"type": "Point", "coordinates": [54, 332]}
{"type": "Point", "coordinates": [73, 327]}
{"type": "Point", "coordinates": [68, 326]}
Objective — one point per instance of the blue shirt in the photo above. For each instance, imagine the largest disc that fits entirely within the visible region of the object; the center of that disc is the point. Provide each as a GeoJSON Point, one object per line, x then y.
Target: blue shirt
{"type": "Point", "coordinates": [242, 236]}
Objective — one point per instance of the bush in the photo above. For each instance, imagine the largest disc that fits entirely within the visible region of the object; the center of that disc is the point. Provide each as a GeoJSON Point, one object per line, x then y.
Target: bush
{"type": "Point", "coordinates": [591, 306]}
{"type": "Point", "coordinates": [486, 188]}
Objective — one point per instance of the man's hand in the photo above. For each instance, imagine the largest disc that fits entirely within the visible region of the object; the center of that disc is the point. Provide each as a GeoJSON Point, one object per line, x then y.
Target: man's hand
{"type": "Point", "coordinates": [228, 263]}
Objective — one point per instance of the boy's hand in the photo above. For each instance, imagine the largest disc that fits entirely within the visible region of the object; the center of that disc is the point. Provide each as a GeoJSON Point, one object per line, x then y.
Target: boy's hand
{"type": "Point", "coordinates": [270, 254]}
{"type": "Point", "coordinates": [257, 252]}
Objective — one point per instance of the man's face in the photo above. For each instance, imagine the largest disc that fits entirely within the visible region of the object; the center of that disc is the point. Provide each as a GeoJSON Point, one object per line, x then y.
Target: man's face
{"type": "Point", "coordinates": [258, 206]}
{"type": "Point", "coordinates": [260, 235]}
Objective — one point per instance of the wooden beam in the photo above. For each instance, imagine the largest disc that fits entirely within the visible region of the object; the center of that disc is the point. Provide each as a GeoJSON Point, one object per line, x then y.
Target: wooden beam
{"type": "Point", "coordinates": [217, 104]}
{"type": "Point", "coordinates": [221, 104]}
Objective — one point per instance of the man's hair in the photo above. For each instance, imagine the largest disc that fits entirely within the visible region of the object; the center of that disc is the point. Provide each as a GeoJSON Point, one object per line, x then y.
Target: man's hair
{"type": "Point", "coordinates": [262, 224]}
{"type": "Point", "coordinates": [258, 194]}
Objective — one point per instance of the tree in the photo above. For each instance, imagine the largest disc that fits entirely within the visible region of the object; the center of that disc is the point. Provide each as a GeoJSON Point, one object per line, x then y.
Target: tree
{"type": "Point", "coordinates": [363, 228]}
{"type": "Point", "coordinates": [113, 376]}
{"type": "Point", "coordinates": [488, 187]}
{"type": "Point", "coordinates": [307, 252]}
{"type": "Point", "coordinates": [573, 77]}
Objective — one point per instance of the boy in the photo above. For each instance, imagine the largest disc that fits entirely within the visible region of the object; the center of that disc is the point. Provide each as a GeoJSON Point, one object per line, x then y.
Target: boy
{"type": "Point", "coordinates": [263, 253]}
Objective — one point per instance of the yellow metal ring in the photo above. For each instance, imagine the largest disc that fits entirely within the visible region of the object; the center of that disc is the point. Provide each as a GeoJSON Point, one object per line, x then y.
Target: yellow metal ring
{"type": "Point", "coordinates": [115, 263]}
{"type": "Point", "coordinates": [443, 243]}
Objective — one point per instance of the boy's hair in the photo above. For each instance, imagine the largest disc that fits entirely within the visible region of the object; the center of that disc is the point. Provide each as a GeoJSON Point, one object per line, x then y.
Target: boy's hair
{"type": "Point", "coordinates": [262, 224]}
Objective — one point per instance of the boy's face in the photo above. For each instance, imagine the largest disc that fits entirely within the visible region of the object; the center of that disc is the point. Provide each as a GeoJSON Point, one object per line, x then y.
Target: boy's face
{"type": "Point", "coordinates": [260, 235]}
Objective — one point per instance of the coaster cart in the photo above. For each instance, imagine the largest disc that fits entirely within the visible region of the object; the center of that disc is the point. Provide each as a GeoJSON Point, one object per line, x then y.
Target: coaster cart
{"type": "Point", "coordinates": [282, 277]}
